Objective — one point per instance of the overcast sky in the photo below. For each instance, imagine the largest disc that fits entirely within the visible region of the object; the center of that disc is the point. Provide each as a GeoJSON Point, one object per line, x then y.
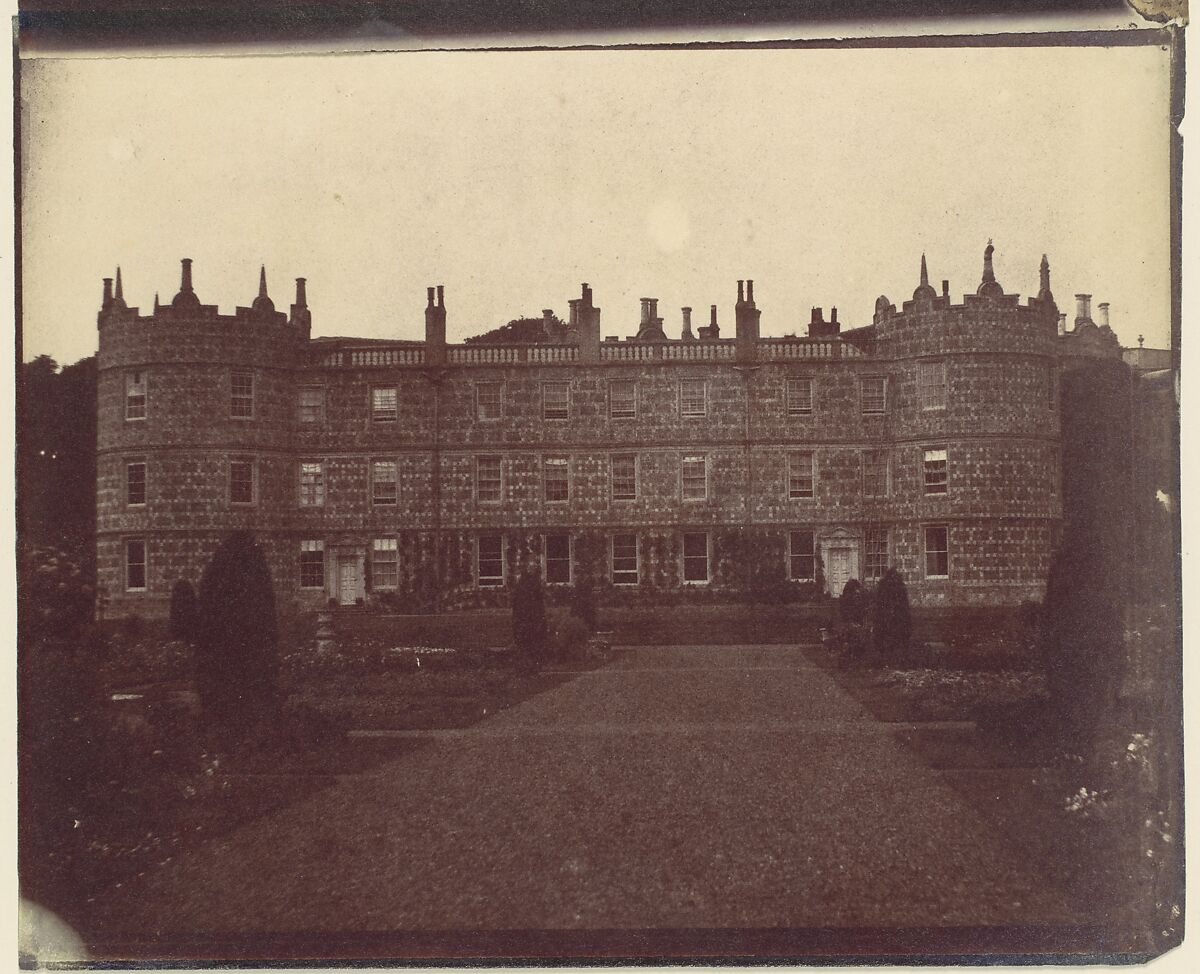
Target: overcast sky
{"type": "Point", "coordinates": [513, 177]}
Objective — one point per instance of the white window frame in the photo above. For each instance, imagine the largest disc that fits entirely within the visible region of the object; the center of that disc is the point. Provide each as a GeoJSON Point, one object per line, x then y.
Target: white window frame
{"type": "Point", "coordinates": [626, 412]}
{"type": "Point", "coordinates": [487, 409]}
{"type": "Point", "coordinates": [136, 402]}
{"type": "Point", "coordinates": [499, 461]}
{"type": "Point", "coordinates": [252, 463]}
{"type": "Point", "coordinates": [129, 465]}
{"type": "Point", "coordinates": [932, 485]}
{"type": "Point", "coordinates": [556, 462]}
{"type": "Point", "coordinates": [241, 401]}
{"type": "Point", "coordinates": [390, 549]}
{"type": "Point", "coordinates": [612, 473]}
{"type": "Point", "coordinates": [795, 403]}
{"type": "Point", "coordinates": [684, 557]}
{"type": "Point", "coordinates": [383, 500]}
{"type": "Point", "coordinates": [308, 547]}
{"type": "Point", "coordinates": [304, 411]}
{"type": "Point", "coordinates": [886, 478]}
{"type": "Point", "coordinates": [881, 533]}
{"type": "Point", "coordinates": [868, 401]}
{"type": "Point", "coordinates": [932, 389]}
{"type": "Point", "coordinates": [489, 581]}
{"type": "Point", "coordinates": [692, 459]}
{"type": "Point", "coordinates": [613, 571]}
{"type": "Point", "coordinates": [797, 476]}
{"type": "Point", "coordinates": [546, 560]}
{"type": "Point", "coordinates": [926, 551]}
{"type": "Point", "coordinates": [558, 411]}
{"type": "Point", "coordinates": [311, 493]}
{"type": "Point", "coordinates": [385, 415]}
{"type": "Point", "coordinates": [793, 556]}
{"type": "Point", "coordinates": [144, 563]}
{"type": "Point", "coordinates": [688, 400]}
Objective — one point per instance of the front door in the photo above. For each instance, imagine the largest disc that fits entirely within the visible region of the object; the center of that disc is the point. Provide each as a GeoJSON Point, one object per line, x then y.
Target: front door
{"type": "Point", "coordinates": [347, 580]}
{"type": "Point", "coordinates": [842, 566]}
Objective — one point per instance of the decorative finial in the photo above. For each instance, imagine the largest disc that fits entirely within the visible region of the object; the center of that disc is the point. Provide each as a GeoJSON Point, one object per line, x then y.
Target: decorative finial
{"type": "Point", "coordinates": [119, 295]}
{"type": "Point", "coordinates": [262, 281]}
{"type": "Point", "coordinates": [156, 304]}
{"type": "Point", "coordinates": [1044, 293]}
{"type": "Point", "coordinates": [263, 302]}
{"type": "Point", "coordinates": [1141, 340]}
{"type": "Point", "coordinates": [186, 298]}
{"type": "Point", "coordinates": [924, 293]}
{"type": "Point", "coordinates": [301, 293]}
{"type": "Point", "coordinates": [924, 272]}
{"type": "Point", "coordinates": [989, 276]}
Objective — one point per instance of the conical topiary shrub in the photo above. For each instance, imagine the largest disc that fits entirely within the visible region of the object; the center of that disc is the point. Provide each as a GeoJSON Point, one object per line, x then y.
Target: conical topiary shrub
{"type": "Point", "coordinates": [237, 651]}
{"type": "Point", "coordinates": [892, 621]}
{"type": "Point", "coordinates": [529, 621]}
{"type": "Point", "coordinates": [184, 622]}
{"type": "Point", "coordinates": [583, 601]}
{"type": "Point", "coordinates": [852, 603]}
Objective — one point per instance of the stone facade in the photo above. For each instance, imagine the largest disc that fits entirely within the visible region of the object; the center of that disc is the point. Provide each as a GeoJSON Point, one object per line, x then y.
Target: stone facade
{"type": "Point", "coordinates": [426, 475]}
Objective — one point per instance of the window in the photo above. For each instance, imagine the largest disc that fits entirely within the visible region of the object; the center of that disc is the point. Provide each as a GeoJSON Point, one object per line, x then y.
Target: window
{"type": "Point", "coordinates": [558, 559]}
{"type": "Point", "coordinates": [312, 404]}
{"type": "Point", "coordinates": [385, 563]}
{"type": "Point", "coordinates": [874, 395]}
{"type": "Point", "coordinates": [489, 563]}
{"type": "Point", "coordinates": [383, 404]}
{"type": "Point", "coordinates": [556, 400]}
{"type": "Point", "coordinates": [489, 486]}
{"type": "Point", "coordinates": [241, 395]}
{"type": "Point", "coordinates": [877, 553]}
{"type": "Point", "coordinates": [622, 399]}
{"type": "Point", "coordinates": [931, 384]}
{"type": "Point", "coordinates": [135, 395]}
{"type": "Point", "coordinates": [624, 559]}
{"type": "Point", "coordinates": [937, 551]}
{"type": "Point", "coordinates": [695, 557]}
{"type": "Point", "coordinates": [692, 398]}
{"type": "Point", "coordinates": [383, 482]}
{"type": "Point", "coordinates": [489, 400]}
{"type": "Point", "coordinates": [875, 473]}
{"type": "Point", "coordinates": [312, 483]}
{"type": "Point", "coordinates": [935, 470]}
{"type": "Point", "coordinates": [556, 478]}
{"type": "Point", "coordinates": [241, 481]}
{"type": "Point", "coordinates": [624, 477]}
{"type": "Point", "coordinates": [135, 565]}
{"type": "Point", "coordinates": [694, 478]}
{"type": "Point", "coordinates": [801, 474]}
{"type": "Point", "coordinates": [135, 482]}
{"type": "Point", "coordinates": [1051, 390]}
{"type": "Point", "coordinates": [312, 564]}
{"type": "Point", "coordinates": [799, 396]}
{"type": "Point", "coordinates": [802, 558]}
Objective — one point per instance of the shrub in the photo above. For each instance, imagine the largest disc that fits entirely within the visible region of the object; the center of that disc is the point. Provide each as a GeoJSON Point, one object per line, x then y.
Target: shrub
{"type": "Point", "coordinates": [54, 596]}
{"type": "Point", "coordinates": [184, 622]}
{"type": "Point", "coordinates": [583, 602]}
{"type": "Point", "coordinates": [237, 652]}
{"type": "Point", "coordinates": [892, 620]}
{"type": "Point", "coordinates": [572, 639]}
{"type": "Point", "coordinates": [529, 620]}
{"type": "Point", "coordinates": [852, 603]}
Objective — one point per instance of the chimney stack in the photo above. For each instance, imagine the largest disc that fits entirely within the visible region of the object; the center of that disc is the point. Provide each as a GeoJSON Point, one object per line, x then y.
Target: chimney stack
{"type": "Point", "coordinates": [185, 283]}
{"type": "Point", "coordinates": [645, 311]}
{"type": "Point", "coordinates": [301, 293]}
{"type": "Point", "coordinates": [573, 319]}
{"type": "Point", "coordinates": [1083, 309]}
{"type": "Point", "coordinates": [654, 309]}
{"type": "Point", "coordinates": [687, 324]}
{"type": "Point", "coordinates": [301, 316]}
{"type": "Point", "coordinates": [589, 326]}
{"type": "Point", "coordinates": [945, 289]}
{"type": "Point", "coordinates": [817, 316]}
{"type": "Point", "coordinates": [741, 292]}
{"type": "Point", "coordinates": [747, 325]}
{"type": "Point", "coordinates": [1062, 323]}
{"type": "Point", "coordinates": [1103, 322]}
{"type": "Point", "coordinates": [435, 326]}
{"type": "Point", "coordinates": [750, 293]}
{"type": "Point", "coordinates": [833, 317]}
{"type": "Point", "coordinates": [107, 300]}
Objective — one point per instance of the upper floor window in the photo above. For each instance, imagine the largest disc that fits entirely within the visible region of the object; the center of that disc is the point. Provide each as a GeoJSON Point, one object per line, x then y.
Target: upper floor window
{"type": "Point", "coordinates": [802, 557]}
{"type": "Point", "coordinates": [241, 395]}
{"type": "Point", "coordinates": [624, 559]}
{"type": "Point", "coordinates": [385, 563]}
{"type": "Point", "coordinates": [556, 478]}
{"type": "Point", "coordinates": [935, 465]}
{"type": "Point", "coordinates": [799, 395]}
{"type": "Point", "coordinates": [135, 395]}
{"type": "Point", "coordinates": [383, 482]}
{"type": "Point", "coordinates": [489, 484]}
{"type": "Point", "coordinates": [877, 552]}
{"type": "Point", "coordinates": [937, 551]}
{"type": "Point", "coordinates": [622, 399]}
{"type": "Point", "coordinates": [312, 483]}
{"type": "Point", "coordinates": [624, 477]}
{"type": "Point", "coordinates": [135, 482]}
{"type": "Point", "coordinates": [695, 557]}
{"type": "Point", "coordinates": [801, 474]}
{"type": "Point", "coordinates": [241, 480]}
{"type": "Point", "coordinates": [931, 384]}
{"type": "Point", "coordinates": [558, 558]}
{"type": "Point", "coordinates": [1051, 387]}
{"type": "Point", "coordinates": [693, 400]}
{"type": "Point", "coordinates": [874, 394]}
{"type": "Point", "coordinates": [311, 406]}
{"type": "Point", "coordinates": [875, 473]}
{"type": "Point", "coordinates": [312, 564]}
{"type": "Point", "coordinates": [383, 404]}
{"type": "Point", "coordinates": [694, 478]}
{"type": "Point", "coordinates": [135, 565]}
{"type": "Point", "coordinates": [489, 400]}
{"type": "Point", "coordinates": [489, 560]}
{"type": "Point", "coordinates": [556, 400]}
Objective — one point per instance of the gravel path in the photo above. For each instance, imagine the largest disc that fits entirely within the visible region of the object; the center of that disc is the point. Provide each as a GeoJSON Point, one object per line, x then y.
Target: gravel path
{"type": "Point", "coordinates": [678, 787]}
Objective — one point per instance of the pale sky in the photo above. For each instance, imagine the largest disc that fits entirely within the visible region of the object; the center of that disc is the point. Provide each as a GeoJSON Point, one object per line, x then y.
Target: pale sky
{"type": "Point", "coordinates": [512, 177]}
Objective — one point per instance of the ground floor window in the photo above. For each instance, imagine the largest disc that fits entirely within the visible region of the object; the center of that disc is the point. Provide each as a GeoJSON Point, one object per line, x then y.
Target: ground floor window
{"type": "Point", "coordinates": [937, 551]}
{"type": "Point", "coordinates": [135, 565]}
{"type": "Point", "coordinates": [385, 563]}
{"type": "Point", "coordinates": [695, 557]}
{"type": "Point", "coordinates": [558, 559]}
{"type": "Point", "coordinates": [877, 553]}
{"type": "Point", "coordinates": [624, 559]}
{"type": "Point", "coordinates": [802, 558]}
{"type": "Point", "coordinates": [312, 564]}
{"type": "Point", "coordinates": [489, 563]}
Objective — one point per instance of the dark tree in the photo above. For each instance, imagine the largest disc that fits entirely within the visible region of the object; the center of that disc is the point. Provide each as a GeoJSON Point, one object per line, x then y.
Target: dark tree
{"type": "Point", "coordinates": [184, 622]}
{"type": "Point", "coordinates": [892, 619]}
{"type": "Point", "coordinates": [583, 601]}
{"type": "Point", "coordinates": [852, 603]}
{"type": "Point", "coordinates": [529, 621]}
{"type": "Point", "coordinates": [523, 331]}
{"type": "Point", "coordinates": [237, 653]}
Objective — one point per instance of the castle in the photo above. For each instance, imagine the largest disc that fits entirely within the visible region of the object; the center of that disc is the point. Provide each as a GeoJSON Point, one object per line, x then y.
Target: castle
{"type": "Point", "coordinates": [426, 475]}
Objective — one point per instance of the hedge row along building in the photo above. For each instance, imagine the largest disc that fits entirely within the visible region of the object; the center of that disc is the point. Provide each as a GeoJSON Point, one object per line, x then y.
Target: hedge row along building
{"type": "Point", "coordinates": [428, 475]}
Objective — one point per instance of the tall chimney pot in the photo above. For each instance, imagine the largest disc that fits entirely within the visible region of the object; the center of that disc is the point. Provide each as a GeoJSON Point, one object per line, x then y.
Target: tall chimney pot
{"type": "Point", "coordinates": [741, 291]}
{"type": "Point", "coordinates": [945, 289]}
{"type": "Point", "coordinates": [645, 311]}
{"type": "Point", "coordinates": [833, 316]}
{"type": "Point", "coordinates": [749, 292]}
{"type": "Point", "coordinates": [1062, 323]}
{"type": "Point", "coordinates": [1083, 308]}
{"type": "Point", "coordinates": [1103, 306]}
{"type": "Point", "coordinates": [441, 293]}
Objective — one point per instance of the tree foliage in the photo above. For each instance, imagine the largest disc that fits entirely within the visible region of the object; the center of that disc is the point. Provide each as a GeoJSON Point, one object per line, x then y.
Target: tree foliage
{"type": "Point", "coordinates": [583, 601]}
{"type": "Point", "coordinates": [892, 622]}
{"type": "Point", "coordinates": [529, 620]}
{"type": "Point", "coordinates": [852, 603]}
{"type": "Point", "coordinates": [184, 621]}
{"type": "Point", "coordinates": [522, 331]}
